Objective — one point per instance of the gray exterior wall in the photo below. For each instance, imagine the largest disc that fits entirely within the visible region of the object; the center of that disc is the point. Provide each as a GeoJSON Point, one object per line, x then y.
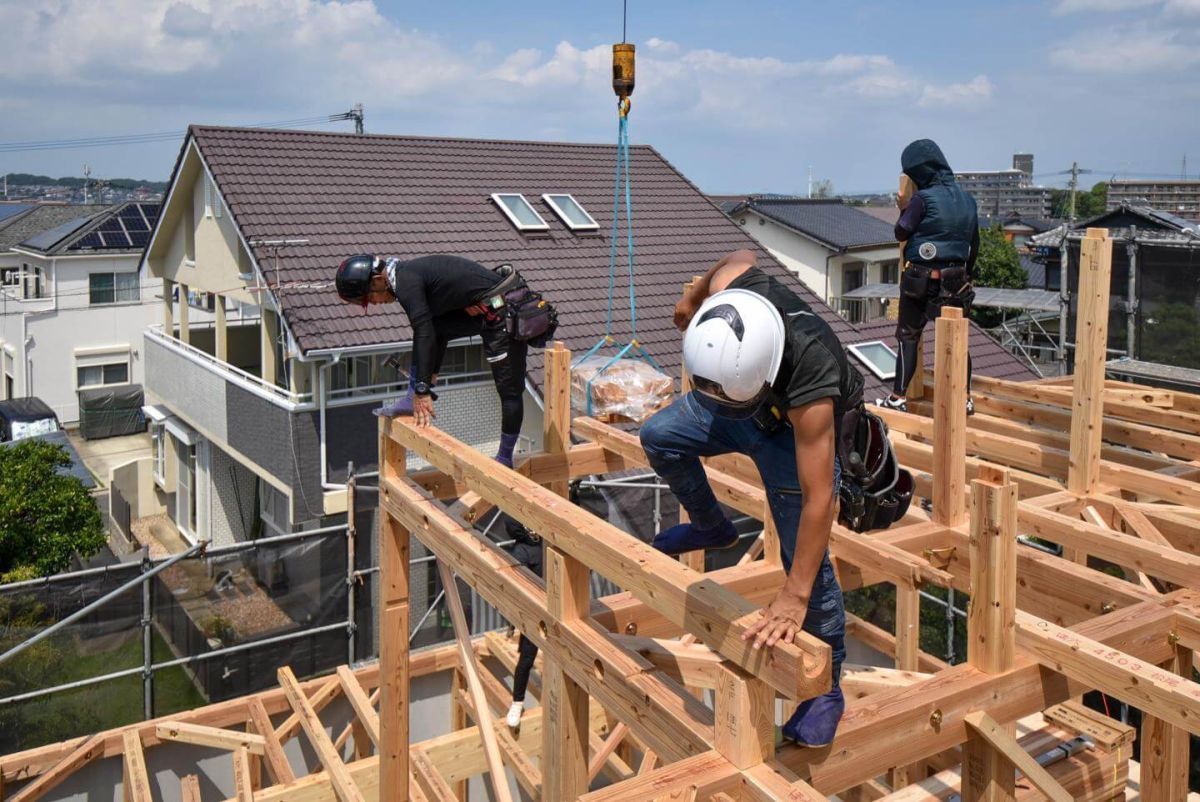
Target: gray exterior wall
{"type": "Point", "coordinates": [233, 496]}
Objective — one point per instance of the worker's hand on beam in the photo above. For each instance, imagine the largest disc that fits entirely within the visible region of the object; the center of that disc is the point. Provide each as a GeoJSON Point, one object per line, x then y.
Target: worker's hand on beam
{"type": "Point", "coordinates": [423, 413]}
{"type": "Point", "coordinates": [781, 620]}
{"type": "Point", "coordinates": [685, 310]}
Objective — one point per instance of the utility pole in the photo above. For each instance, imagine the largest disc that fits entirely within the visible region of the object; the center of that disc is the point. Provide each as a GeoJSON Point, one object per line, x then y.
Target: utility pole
{"type": "Point", "coordinates": [87, 174]}
{"type": "Point", "coordinates": [357, 116]}
{"type": "Point", "coordinates": [810, 180]}
{"type": "Point", "coordinates": [1183, 170]}
{"type": "Point", "coordinates": [1074, 187]}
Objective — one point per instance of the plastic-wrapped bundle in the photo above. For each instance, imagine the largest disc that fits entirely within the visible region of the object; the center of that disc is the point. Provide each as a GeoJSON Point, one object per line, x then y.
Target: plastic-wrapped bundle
{"type": "Point", "coordinates": [629, 389]}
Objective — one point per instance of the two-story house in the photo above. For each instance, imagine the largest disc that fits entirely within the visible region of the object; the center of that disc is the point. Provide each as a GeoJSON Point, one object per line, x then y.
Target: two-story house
{"type": "Point", "coordinates": [832, 247]}
{"type": "Point", "coordinates": [74, 301]}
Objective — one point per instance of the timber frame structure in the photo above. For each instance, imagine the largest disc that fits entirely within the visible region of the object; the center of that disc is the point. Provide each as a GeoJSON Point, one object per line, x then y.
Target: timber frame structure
{"type": "Point", "coordinates": [654, 688]}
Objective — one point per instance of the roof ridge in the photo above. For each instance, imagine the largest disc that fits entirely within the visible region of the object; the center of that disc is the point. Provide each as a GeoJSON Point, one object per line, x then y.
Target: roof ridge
{"type": "Point", "coordinates": [199, 128]}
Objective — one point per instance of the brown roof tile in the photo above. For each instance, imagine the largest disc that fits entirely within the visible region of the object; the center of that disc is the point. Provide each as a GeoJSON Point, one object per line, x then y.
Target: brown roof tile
{"type": "Point", "coordinates": [411, 196]}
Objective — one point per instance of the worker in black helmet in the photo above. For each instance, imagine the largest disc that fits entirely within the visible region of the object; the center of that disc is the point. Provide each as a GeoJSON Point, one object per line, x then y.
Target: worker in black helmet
{"type": "Point", "coordinates": [445, 298]}
{"type": "Point", "coordinates": [940, 229]}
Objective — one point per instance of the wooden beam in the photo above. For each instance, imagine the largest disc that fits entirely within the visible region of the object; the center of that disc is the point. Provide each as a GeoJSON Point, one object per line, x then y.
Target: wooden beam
{"type": "Point", "coordinates": [394, 551]}
{"type": "Point", "coordinates": [983, 725]}
{"type": "Point", "coordinates": [1164, 755]}
{"type": "Point", "coordinates": [243, 784]}
{"type": "Point", "coordinates": [715, 616]}
{"type": "Point", "coordinates": [276, 760]}
{"type": "Point", "coordinates": [1146, 686]}
{"type": "Point", "coordinates": [658, 711]}
{"type": "Point", "coordinates": [318, 700]}
{"type": "Point", "coordinates": [487, 730]}
{"type": "Point", "coordinates": [85, 753]}
{"type": "Point", "coordinates": [189, 789]}
{"type": "Point", "coordinates": [950, 417]}
{"type": "Point", "coordinates": [210, 736]}
{"type": "Point", "coordinates": [1106, 732]}
{"type": "Point", "coordinates": [458, 721]}
{"type": "Point", "coordinates": [709, 773]}
{"type": "Point", "coordinates": [1091, 341]}
{"type": "Point", "coordinates": [745, 718]}
{"type": "Point", "coordinates": [342, 782]}
{"type": "Point", "coordinates": [357, 697]}
{"type": "Point", "coordinates": [771, 781]}
{"type": "Point", "coordinates": [135, 780]}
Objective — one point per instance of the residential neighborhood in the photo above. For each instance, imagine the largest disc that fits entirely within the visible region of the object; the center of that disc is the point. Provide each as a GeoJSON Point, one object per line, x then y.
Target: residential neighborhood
{"type": "Point", "coordinates": [850, 461]}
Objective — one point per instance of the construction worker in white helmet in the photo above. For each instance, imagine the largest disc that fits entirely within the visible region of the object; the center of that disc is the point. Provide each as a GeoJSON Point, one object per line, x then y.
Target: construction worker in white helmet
{"type": "Point", "coordinates": [771, 381]}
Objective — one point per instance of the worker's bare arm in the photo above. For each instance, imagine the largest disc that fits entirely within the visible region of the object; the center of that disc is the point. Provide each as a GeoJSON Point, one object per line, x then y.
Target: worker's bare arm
{"type": "Point", "coordinates": [718, 277]}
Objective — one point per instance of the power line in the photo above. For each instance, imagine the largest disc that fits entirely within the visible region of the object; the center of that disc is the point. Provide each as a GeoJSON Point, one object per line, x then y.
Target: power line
{"type": "Point", "coordinates": [162, 136]}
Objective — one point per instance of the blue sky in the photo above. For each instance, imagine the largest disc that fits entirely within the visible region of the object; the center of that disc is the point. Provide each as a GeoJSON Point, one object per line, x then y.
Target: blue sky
{"type": "Point", "coordinates": [741, 97]}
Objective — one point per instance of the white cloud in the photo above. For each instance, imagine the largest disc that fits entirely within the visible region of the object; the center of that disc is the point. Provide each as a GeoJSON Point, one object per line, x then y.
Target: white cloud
{"type": "Point", "coordinates": [1183, 8]}
{"type": "Point", "coordinates": [977, 90]}
{"type": "Point", "coordinates": [1074, 6]}
{"type": "Point", "coordinates": [1127, 51]}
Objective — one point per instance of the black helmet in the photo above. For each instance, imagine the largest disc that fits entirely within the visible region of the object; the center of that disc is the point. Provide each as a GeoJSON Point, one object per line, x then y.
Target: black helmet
{"type": "Point", "coordinates": [353, 278]}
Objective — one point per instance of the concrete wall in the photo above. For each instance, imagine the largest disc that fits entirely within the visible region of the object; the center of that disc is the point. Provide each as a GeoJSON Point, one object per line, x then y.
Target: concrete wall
{"type": "Point", "coordinates": [135, 481]}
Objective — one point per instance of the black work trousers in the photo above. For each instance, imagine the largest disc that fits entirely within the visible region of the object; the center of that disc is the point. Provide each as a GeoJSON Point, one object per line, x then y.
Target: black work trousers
{"type": "Point", "coordinates": [529, 555]}
{"type": "Point", "coordinates": [922, 299]}
{"type": "Point", "coordinates": [505, 355]}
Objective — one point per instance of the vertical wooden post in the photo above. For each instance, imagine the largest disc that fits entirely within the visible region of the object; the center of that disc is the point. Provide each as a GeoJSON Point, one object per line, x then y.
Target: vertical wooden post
{"type": "Point", "coordinates": [458, 721]}
{"type": "Point", "coordinates": [254, 763]}
{"type": "Point", "coordinates": [556, 431]}
{"type": "Point", "coordinates": [1091, 340]}
{"type": "Point", "coordinates": [185, 334]}
{"type": "Point", "coordinates": [745, 717]}
{"type": "Point", "coordinates": [221, 331]}
{"type": "Point", "coordinates": [393, 626]}
{"type": "Point", "coordinates": [989, 776]}
{"type": "Point", "coordinates": [168, 307]}
{"type": "Point", "coordinates": [565, 721]}
{"type": "Point", "coordinates": [908, 645]}
{"type": "Point", "coordinates": [950, 419]}
{"type": "Point", "coordinates": [1165, 747]}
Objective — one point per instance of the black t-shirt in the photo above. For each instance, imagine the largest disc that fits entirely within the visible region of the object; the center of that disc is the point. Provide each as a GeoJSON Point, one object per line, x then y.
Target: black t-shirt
{"type": "Point", "coordinates": [431, 286]}
{"type": "Point", "coordinates": [814, 362]}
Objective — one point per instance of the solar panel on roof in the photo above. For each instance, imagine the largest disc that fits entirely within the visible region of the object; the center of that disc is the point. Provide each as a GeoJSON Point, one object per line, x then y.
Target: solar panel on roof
{"type": "Point", "coordinates": [92, 240]}
{"type": "Point", "coordinates": [139, 238]}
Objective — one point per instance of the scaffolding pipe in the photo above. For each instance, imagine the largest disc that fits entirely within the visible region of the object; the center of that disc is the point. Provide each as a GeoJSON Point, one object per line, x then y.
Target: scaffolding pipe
{"type": "Point", "coordinates": [147, 640]}
{"type": "Point", "coordinates": [351, 579]}
{"type": "Point", "coordinates": [100, 602]}
{"type": "Point", "coordinates": [1064, 294]}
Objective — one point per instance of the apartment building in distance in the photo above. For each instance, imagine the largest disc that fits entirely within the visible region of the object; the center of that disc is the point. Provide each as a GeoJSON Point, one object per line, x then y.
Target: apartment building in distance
{"type": "Point", "coordinates": [1000, 193]}
{"type": "Point", "coordinates": [1180, 198]}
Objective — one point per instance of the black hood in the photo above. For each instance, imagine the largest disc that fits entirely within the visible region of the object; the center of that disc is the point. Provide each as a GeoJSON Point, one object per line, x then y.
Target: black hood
{"type": "Point", "coordinates": [924, 162]}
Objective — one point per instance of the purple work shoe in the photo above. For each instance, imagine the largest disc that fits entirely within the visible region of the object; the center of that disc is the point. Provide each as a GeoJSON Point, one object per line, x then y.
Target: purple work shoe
{"type": "Point", "coordinates": [686, 537]}
{"type": "Point", "coordinates": [505, 461]}
{"type": "Point", "coordinates": [401, 406]}
{"type": "Point", "coordinates": [815, 721]}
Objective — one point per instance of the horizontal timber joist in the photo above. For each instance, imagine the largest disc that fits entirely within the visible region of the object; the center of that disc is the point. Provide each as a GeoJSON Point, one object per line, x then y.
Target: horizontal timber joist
{"type": "Point", "coordinates": [705, 609]}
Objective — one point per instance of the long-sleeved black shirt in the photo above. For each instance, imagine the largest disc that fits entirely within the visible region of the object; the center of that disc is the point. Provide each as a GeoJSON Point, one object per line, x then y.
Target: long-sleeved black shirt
{"type": "Point", "coordinates": [429, 287]}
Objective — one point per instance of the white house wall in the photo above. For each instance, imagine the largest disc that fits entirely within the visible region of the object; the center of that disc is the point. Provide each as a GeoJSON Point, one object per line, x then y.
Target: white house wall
{"type": "Point", "coordinates": [802, 256]}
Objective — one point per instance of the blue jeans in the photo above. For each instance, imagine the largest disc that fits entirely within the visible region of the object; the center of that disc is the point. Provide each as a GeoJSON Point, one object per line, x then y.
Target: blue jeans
{"type": "Point", "coordinates": [677, 437]}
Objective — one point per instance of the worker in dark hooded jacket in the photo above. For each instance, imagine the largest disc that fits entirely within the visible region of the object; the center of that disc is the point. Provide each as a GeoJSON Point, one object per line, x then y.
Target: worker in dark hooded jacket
{"type": "Point", "coordinates": [940, 229]}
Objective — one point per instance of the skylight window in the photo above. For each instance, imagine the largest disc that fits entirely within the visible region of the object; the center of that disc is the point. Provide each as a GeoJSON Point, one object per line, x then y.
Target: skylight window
{"type": "Point", "coordinates": [519, 211]}
{"type": "Point", "coordinates": [571, 212]}
{"type": "Point", "coordinates": [877, 356]}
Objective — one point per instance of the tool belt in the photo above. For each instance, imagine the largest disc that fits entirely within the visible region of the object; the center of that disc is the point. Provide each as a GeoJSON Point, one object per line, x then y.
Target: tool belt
{"type": "Point", "coordinates": [529, 317]}
{"type": "Point", "coordinates": [874, 490]}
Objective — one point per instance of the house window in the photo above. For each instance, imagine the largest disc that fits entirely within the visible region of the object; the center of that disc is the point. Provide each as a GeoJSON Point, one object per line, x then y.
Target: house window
{"type": "Point", "coordinates": [519, 211]}
{"type": "Point", "coordinates": [10, 277]}
{"type": "Point", "coordinates": [273, 506]}
{"type": "Point", "coordinates": [890, 273]}
{"type": "Point", "coordinates": [113, 288]}
{"type": "Point", "coordinates": [571, 212]}
{"type": "Point", "coordinates": [103, 375]}
{"type": "Point", "coordinates": [877, 357]}
{"type": "Point", "coordinates": [185, 491]}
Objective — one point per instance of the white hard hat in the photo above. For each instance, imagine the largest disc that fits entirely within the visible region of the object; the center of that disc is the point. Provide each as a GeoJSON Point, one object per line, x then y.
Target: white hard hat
{"type": "Point", "coordinates": [733, 348]}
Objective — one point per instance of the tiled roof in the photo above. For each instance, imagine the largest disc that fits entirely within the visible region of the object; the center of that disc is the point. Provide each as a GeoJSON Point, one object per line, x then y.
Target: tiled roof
{"type": "Point", "coordinates": [987, 357]}
{"type": "Point", "coordinates": [830, 222]}
{"type": "Point", "coordinates": [1152, 225]}
{"type": "Point", "coordinates": [348, 193]}
{"type": "Point", "coordinates": [1035, 272]}
{"type": "Point", "coordinates": [42, 219]}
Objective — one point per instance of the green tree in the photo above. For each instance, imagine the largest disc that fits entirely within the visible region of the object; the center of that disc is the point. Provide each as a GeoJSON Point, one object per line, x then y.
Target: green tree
{"type": "Point", "coordinates": [1088, 203]}
{"type": "Point", "coordinates": [45, 515]}
{"type": "Point", "coordinates": [997, 265]}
